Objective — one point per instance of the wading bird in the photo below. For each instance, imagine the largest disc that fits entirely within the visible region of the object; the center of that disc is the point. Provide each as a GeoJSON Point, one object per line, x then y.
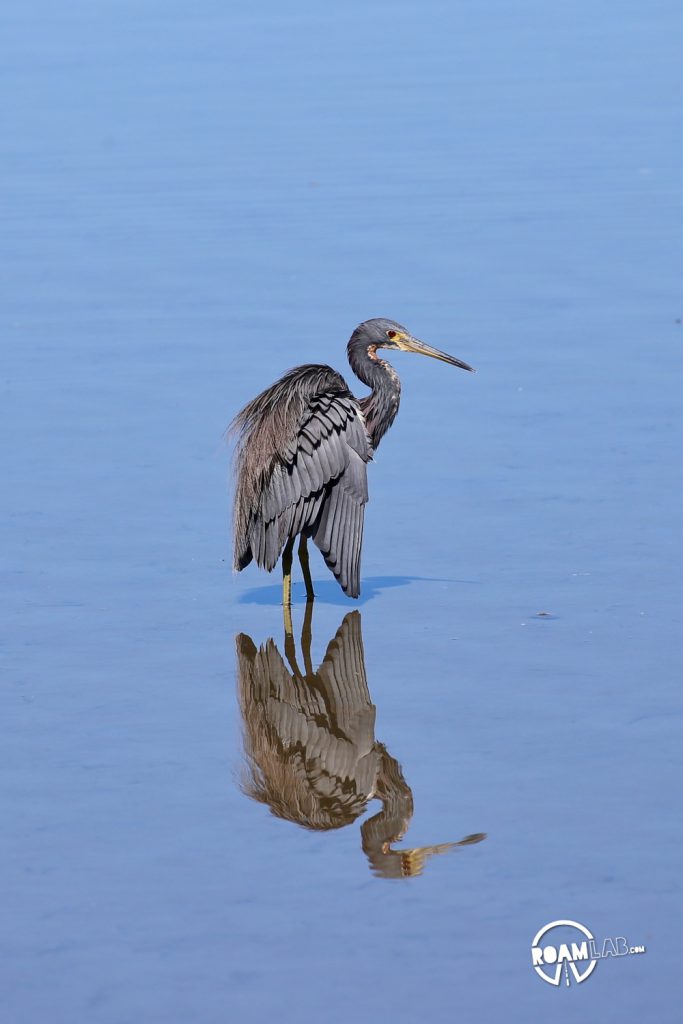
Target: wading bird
{"type": "Point", "coordinates": [302, 456]}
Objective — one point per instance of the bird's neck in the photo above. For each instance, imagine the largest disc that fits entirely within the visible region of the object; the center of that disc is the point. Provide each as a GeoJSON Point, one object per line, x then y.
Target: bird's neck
{"type": "Point", "coordinates": [379, 408]}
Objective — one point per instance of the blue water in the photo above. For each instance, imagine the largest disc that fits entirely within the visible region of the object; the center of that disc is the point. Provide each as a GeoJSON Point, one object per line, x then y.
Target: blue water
{"type": "Point", "coordinates": [195, 198]}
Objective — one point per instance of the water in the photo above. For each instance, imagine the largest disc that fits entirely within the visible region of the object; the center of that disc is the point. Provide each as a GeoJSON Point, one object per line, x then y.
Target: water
{"type": "Point", "coordinates": [195, 199]}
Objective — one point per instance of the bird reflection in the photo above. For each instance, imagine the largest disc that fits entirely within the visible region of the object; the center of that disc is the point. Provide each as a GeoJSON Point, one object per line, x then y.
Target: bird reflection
{"type": "Point", "coordinates": [310, 749]}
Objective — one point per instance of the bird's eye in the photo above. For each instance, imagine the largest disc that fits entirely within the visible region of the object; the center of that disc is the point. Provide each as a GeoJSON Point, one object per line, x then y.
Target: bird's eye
{"type": "Point", "coordinates": [391, 335]}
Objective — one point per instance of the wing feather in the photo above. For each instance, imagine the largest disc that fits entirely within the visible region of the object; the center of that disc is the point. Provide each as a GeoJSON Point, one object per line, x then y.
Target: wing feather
{"type": "Point", "coordinates": [301, 468]}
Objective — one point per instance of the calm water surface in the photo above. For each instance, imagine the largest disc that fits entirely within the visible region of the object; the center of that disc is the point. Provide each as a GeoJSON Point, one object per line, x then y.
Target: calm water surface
{"type": "Point", "coordinates": [197, 197]}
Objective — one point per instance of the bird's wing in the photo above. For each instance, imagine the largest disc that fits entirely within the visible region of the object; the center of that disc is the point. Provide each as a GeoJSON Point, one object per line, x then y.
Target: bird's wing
{"type": "Point", "coordinates": [315, 479]}
{"type": "Point", "coordinates": [339, 529]}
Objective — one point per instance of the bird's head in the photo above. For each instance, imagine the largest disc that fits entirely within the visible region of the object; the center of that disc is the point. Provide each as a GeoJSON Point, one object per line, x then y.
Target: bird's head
{"type": "Point", "coordinates": [383, 333]}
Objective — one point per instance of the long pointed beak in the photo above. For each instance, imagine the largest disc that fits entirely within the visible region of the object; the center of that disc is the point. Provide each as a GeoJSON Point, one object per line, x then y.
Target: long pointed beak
{"type": "Point", "coordinates": [409, 344]}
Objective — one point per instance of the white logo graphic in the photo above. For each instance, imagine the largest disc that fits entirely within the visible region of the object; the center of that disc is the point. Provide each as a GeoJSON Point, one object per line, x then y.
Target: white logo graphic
{"type": "Point", "coordinates": [576, 951]}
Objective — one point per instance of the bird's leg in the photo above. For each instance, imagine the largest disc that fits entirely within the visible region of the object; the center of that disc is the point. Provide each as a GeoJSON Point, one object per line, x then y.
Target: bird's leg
{"type": "Point", "coordinates": [305, 567]}
{"type": "Point", "coordinates": [287, 577]}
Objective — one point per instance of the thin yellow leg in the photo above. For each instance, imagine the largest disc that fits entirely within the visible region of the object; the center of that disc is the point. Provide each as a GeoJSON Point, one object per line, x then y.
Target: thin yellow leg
{"type": "Point", "coordinates": [287, 574]}
{"type": "Point", "coordinates": [305, 568]}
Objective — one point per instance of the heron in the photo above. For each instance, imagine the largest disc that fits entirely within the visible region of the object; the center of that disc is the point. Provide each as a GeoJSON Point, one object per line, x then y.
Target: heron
{"type": "Point", "coordinates": [302, 453]}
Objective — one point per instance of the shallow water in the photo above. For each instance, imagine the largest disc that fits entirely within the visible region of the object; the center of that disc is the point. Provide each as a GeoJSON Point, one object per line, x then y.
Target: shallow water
{"type": "Point", "coordinates": [197, 198]}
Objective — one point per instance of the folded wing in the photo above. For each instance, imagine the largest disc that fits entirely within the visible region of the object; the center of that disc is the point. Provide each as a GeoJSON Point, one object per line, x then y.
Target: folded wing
{"type": "Point", "coordinates": [302, 469]}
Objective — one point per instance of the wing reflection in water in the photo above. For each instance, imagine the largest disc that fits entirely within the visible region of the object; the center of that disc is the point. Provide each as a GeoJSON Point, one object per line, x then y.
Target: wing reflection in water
{"type": "Point", "coordinates": [310, 748]}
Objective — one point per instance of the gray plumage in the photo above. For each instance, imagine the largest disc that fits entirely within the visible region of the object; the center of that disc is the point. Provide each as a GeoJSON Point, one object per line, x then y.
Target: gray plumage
{"type": "Point", "coordinates": [302, 452]}
{"type": "Point", "coordinates": [301, 468]}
